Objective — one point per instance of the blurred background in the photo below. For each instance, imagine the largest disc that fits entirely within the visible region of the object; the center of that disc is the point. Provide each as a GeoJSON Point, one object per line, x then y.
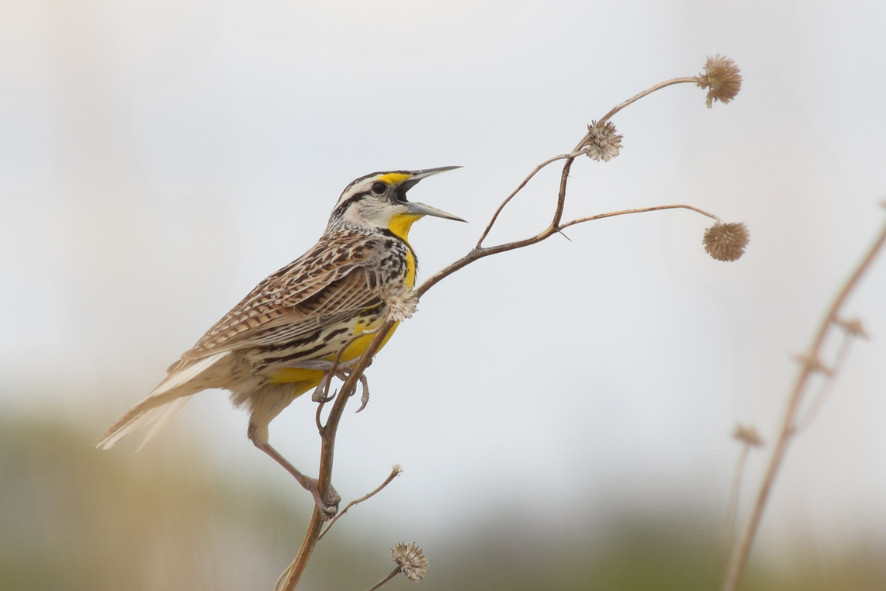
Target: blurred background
{"type": "Point", "coordinates": [563, 413]}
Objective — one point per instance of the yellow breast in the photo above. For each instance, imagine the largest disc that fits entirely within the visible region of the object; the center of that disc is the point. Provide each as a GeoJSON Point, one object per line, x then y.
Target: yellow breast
{"type": "Point", "coordinates": [309, 378]}
{"type": "Point", "coordinates": [400, 226]}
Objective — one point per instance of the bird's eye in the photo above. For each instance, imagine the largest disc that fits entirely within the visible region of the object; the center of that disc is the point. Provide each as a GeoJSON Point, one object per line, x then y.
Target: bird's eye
{"type": "Point", "coordinates": [379, 188]}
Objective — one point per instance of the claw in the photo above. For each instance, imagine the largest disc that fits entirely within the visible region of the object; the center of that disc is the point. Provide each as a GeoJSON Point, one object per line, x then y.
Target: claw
{"type": "Point", "coordinates": [364, 398]}
{"type": "Point", "coordinates": [321, 392]}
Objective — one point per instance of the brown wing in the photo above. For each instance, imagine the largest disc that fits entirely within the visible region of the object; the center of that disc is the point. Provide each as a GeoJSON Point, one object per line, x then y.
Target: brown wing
{"type": "Point", "coordinates": [332, 281]}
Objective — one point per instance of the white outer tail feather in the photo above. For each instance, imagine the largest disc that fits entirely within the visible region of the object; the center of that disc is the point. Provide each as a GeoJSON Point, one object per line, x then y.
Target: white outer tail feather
{"type": "Point", "coordinates": [162, 403]}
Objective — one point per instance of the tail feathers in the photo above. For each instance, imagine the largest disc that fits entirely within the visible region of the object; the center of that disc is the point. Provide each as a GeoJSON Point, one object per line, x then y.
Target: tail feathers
{"type": "Point", "coordinates": [166, 400]}
{"type": "Point", "coordinates": [154, 412]}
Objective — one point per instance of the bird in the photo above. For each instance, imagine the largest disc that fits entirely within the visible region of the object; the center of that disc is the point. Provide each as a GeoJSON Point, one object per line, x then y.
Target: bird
{"type": "Point", "coordinates": [304, 322]}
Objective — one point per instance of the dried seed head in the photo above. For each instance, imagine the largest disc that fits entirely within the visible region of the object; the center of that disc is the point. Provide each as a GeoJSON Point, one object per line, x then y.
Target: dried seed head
{"type": "Point", "coordinates": [747, 435]}
{"type": "Point", "coordinates": [602, 143]}
{"type": "Point", "coordinates": [401, 300]}
{"type": "Point", "coordinates": [721, 77]}
{"type": "Point", "coordinates": [410, 560]}
{"type": "Point", "coordinates": [726, 242]}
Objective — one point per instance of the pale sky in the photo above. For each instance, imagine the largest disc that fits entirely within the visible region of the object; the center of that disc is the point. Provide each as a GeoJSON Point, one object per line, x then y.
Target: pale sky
{"type": "Point", "coordinates": [157, 160]}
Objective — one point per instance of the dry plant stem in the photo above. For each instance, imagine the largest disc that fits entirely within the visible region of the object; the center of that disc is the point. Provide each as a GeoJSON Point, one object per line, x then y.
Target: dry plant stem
{"type": "Point", "coordinates": [289, 579]}
{"type": "Point", "coordinates": [739, 558]}
{"type": "Point", "coordinates": [294, 572]}
{"type": "Point", "coordinates": [479, 251]}
{"type": "Point", "coordinates": [732, 511]}
{"type": "Point", "coordinates": [610, 214]}
{"type": "Point", "coordinates": [394, 473]}
{"type": "Point", "coordinates": [390, 576]}
{"type": "Point", "coordinates": [648, 91]}
{"type": "Point", "coordinates": [513, 194]}
{"type": "Point", "coordinates": [818, 399]}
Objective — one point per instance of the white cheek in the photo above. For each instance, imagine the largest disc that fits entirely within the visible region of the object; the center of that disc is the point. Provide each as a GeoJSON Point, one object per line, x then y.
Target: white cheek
{"type": "Point", "coordinates": [377, 214]}
{"type": "Point", "coordinates": [369, 213]}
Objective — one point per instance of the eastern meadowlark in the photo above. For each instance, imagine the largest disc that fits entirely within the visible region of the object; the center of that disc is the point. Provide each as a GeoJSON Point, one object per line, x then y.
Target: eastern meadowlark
{"type": "Point", "coordinates": [283, 339]}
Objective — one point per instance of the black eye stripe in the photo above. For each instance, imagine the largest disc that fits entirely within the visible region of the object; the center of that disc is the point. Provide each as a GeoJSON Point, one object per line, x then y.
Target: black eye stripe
{"type": "Point", "coordinates": [377, 189]}
{"type": "Point", "coordinates": [344, 205]}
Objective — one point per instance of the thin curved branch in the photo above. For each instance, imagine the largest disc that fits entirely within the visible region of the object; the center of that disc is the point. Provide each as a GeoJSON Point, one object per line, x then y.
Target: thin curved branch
{"type": "Point", "coordinates": [561, 194]}
{"type": "Point", "coordinates": [648, 91]}
{"type": "Point", "coordinates": [478, 253]}
{"type": "Point", "coordinates": [475, 255]}
{"type": "Point", "coordinates": [390, 576]}
{"type": "Point", "coordinates": [395, 472]}
{"type": "Point", "coordinates": [513, 194]}
{"type": "Point", "coordinates": [739, 558]}
{"type": "Point", "coordinates": [610, 214]}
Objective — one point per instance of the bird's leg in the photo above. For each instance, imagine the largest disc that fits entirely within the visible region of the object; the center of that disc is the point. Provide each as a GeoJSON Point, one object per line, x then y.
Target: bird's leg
{"type": "Point", "coordinates": [329, 504]}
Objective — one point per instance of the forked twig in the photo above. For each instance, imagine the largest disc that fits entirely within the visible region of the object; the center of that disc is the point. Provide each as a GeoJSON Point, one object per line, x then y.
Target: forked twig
{"type": "Point", "coordinates": [738, 560]}
{"type": "Point", "coordinates": [395, 472]}
{"type": "Point", "coordinates": [718, 71]}
{"type": "Point", "coordinates": [513, 194]}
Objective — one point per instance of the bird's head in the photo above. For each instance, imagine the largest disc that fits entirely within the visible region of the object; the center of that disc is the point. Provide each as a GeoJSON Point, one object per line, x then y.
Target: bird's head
{"type": "Point", "coordinates": [378, 201]}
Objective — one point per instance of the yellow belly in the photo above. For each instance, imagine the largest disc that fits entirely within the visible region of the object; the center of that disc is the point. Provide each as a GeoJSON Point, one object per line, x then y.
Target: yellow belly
{"type": "Point", "coordinates": [310, 378]}
{"type": "Point", "coordinates": [306, 379]}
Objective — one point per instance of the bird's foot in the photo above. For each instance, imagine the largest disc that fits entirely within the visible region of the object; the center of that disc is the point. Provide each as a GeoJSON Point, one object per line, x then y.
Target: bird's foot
{"type": "Point", "coordinates": [328, 503]}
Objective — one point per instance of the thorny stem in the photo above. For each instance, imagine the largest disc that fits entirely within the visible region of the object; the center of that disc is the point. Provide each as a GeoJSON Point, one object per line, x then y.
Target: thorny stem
{"type": "Point", "coordinates": [739, 558]}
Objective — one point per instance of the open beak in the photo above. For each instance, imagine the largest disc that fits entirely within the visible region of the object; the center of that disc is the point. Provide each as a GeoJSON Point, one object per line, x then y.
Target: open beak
{"type": "Point", "coordinates": [421, 208]}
